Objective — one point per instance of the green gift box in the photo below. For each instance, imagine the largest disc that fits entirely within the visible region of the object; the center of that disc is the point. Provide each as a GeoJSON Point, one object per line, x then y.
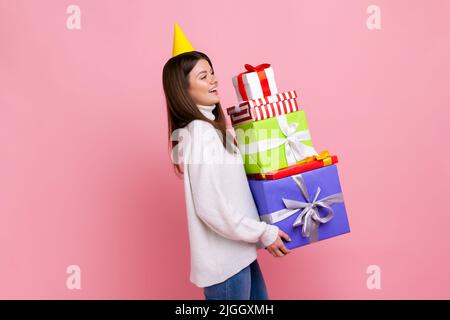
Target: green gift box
{"type": "Point", "coordinates": [274, 143]}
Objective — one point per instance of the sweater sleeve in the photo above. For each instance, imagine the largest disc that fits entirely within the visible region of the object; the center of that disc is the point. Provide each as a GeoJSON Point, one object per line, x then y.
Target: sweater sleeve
{"type": "Point", "coordinates": [211, 182]}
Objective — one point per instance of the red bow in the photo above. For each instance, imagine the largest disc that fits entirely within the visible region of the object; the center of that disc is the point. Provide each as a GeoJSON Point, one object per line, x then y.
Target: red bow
{"type": "Point", "coordinates": [261, 67]}
{"type": "Point", "coordinates": [262, 79]}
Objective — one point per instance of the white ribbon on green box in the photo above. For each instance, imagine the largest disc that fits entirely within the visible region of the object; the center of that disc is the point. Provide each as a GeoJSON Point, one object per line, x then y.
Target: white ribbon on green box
{"type": "Point", "coordinates": [295, 149]}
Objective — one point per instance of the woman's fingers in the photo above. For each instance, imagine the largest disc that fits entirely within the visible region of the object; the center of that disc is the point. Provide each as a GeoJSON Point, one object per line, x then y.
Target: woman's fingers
{"type": "Point", "coordinates": [284, 235]}
{"type": "Point", "coordinates": [278, 249]}
{"type": "Point", "coordinates": [279, 253]}
{"type": "Point", "coordinates": [276, 252]}
{"type": "Point", "coordinates": [285, 250]}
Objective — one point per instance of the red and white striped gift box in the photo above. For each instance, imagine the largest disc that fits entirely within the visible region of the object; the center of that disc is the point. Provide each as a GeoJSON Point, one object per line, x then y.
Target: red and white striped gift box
{"type": "Point", "coordinates": [292, 94]}
{"type": "Point", "coordinates": [263, 108]}
{"type": "Point", "coordinates": [247, 113]}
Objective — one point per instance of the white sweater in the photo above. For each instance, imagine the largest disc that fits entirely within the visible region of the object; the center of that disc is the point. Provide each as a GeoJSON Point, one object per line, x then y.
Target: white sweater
{"type": "Point", "coordinates": [224, 227]}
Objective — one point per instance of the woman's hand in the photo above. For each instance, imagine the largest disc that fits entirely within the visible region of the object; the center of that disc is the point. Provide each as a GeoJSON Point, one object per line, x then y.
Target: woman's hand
{"type": "Point", "coordinates": [278, 249]}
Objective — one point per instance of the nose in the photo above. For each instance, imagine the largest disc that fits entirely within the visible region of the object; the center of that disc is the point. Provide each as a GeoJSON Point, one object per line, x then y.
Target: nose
{"type": "Point", "coordinates": [214, 80]}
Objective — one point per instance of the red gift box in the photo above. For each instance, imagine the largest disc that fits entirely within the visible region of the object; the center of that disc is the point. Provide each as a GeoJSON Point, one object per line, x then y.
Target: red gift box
{"type": "Point", "coordinates": [310, 163]}
{"type": "Point", "coordinates": [255, 82]}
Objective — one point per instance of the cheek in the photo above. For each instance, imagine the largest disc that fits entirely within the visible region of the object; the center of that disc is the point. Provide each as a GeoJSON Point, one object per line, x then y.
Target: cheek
{"type": "Point", "coordinates": [202, 85]}
{"type": "Point", "coordinates": [198, 88]}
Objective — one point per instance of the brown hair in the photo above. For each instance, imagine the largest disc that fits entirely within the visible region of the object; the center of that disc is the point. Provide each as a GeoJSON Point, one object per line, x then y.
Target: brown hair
{"type": "Point", "coordinates": [181, 109]}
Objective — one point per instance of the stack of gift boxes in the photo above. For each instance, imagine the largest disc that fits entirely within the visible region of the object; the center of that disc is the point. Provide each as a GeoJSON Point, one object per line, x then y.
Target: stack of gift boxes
{"type": "Point", "coordinates": [293, 186]}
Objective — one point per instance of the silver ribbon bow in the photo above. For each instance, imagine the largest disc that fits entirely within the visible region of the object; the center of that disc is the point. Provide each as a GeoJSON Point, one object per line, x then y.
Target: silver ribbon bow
{"type": "Point", "coordinates": [295, 149]}
{"type": "Point", "coordinates": [309, 218]}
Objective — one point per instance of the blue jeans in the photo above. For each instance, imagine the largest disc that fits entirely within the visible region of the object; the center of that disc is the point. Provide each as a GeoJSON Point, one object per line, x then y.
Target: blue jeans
{"type": "Point", "coordinates": [247, 284]}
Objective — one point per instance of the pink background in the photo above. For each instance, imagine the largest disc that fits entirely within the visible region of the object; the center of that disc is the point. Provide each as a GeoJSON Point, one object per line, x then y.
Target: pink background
{"type": "Point", "coordinates": [85, 176]}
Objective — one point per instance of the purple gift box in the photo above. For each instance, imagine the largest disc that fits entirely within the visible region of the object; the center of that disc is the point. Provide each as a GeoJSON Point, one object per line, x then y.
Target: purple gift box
{"type": "Point", "coordinates": [309, 206]}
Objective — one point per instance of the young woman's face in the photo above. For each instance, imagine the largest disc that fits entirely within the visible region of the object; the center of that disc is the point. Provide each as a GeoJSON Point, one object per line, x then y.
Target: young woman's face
{"type": "Point", "coordinates": [203, 84]}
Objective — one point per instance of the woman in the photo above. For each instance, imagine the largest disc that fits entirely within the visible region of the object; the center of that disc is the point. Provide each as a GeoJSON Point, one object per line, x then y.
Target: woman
{"type": "Point", "coordinates": [224, 228]}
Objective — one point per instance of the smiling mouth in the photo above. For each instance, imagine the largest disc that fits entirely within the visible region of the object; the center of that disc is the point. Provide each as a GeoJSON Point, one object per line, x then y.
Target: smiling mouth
{"type": "Point", "coordinates": [213, 91]}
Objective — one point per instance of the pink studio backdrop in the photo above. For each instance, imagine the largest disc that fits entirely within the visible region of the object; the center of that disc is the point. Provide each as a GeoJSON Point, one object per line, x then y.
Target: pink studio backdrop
{"type": "Point", "coordinates": [85, 176]}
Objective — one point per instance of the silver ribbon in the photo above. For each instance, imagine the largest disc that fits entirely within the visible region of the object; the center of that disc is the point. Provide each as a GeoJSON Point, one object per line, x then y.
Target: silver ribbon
{"type": "Point", "coordinates": [295, 149]}
{"type": "Point", "coordinates": [309, 218]}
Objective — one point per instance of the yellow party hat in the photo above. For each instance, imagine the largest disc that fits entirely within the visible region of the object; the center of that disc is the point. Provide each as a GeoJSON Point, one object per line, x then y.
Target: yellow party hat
{"type": "Point", "coordinates": [180, 42]}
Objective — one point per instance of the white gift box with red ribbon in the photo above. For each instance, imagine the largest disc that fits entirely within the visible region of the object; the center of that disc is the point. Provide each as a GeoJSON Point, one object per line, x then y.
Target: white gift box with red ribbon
{"type": "Point", "coordinates": [263, 108]}
{"type": "Point", "coordinates": [256, 82]}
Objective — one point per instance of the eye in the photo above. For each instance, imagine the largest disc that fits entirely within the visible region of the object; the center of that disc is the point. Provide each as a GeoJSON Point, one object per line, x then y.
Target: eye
{"type": "Point", "coordinates": [203, 77]}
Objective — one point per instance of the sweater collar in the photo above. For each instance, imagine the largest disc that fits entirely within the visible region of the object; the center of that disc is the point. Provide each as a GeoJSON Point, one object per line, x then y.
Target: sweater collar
{"type": "Point", "coordinates": [207, 111]}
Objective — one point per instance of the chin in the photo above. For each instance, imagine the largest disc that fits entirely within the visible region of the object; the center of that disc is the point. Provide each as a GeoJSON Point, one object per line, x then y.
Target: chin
{"type": "Point", "coordinates": [216, 100]}
{"type": "Point", "coordinates": [212, 99]}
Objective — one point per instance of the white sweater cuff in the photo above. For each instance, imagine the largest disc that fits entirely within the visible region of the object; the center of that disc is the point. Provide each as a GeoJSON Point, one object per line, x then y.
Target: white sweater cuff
{"type": "Point", "coordinates": [270, 235]}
